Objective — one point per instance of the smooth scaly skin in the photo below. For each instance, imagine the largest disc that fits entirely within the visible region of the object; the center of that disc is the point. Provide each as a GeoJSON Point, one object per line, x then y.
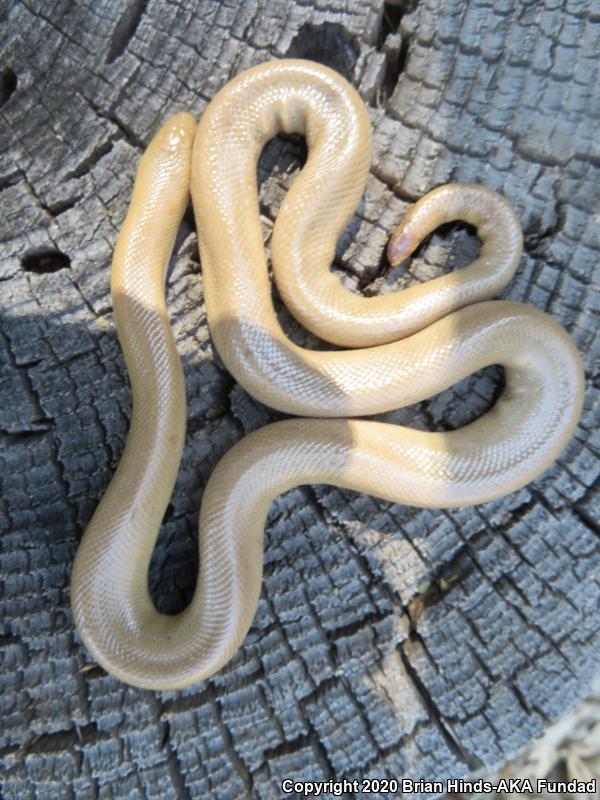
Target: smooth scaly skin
{"type": "Point", "coordinates": [503, 450]}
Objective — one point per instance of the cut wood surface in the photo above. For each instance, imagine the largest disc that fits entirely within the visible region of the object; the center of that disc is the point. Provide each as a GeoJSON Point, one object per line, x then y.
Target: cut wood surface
{"type": "Point", "coordinates": [389, 641]}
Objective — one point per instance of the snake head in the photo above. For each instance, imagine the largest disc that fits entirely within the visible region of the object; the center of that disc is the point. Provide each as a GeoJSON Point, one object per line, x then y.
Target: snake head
{"type": "Point", "coordinates": [176, 133]}
{"type": "Point", "coordinates": [401, 244]}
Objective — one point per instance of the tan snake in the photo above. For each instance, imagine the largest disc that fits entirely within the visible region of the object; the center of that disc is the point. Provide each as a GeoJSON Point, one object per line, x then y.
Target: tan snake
{"type": "Point", "coordinates": [447, 335]}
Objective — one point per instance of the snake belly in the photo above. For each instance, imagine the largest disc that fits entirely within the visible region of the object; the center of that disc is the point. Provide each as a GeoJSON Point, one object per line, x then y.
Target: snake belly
{"type": "Point", "coordinates": [408, 346]}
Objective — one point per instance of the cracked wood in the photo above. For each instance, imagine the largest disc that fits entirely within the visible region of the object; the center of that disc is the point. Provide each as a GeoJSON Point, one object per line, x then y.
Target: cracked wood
{"type": "Point", "coordinates": [389, 641]}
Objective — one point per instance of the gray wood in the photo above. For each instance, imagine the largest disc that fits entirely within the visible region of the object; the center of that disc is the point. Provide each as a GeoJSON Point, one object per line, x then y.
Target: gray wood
{"type": "Point", "coordinates": [389, 641]}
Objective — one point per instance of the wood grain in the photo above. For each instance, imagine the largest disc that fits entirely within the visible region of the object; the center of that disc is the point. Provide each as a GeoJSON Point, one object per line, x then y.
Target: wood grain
{"type": "Point", "coordinates": [389, 641]}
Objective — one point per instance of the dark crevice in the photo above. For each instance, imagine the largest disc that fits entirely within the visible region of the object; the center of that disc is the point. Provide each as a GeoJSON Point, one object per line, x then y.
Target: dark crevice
{"type": "Point", "coordinates": [319, 750]}
{"type": "Point", "coordinates": [370, 276]}
{"type": "Point", "coordinates": [352, 628]}
{"type": "Point", "coordinates": [431, 591]}
{"type": "Point", "coordinates": [586, 518]}
{"type": "Point", "coordinates": [88, 162]}
{"type": "Point", "coordinates": [469, 759]}
{"type": "Point", "coordinates": [165, 739]}
{"type": "Point", "coordinates": [125, 29]}
{"type": "Point", "coordinates": [288, 747]}
{"type": "Point", "coordinates": [39, 417]}
{"type": "Point", "coordinates": [528, 709]}
{"type": "Point", "coordinates": [440, 415]}
{"type": "Point", "coordinates": [329, 44]}
{"type": "Point", "coordinates": [285, 153]}
{"type": "Point", "coordinates": [519, 696]}
{"type": "Point", "coordinates": [395, 46]}
{"type": "Point", "coordinates": [394, 186]}
{"type": "Point", "coordinates": [394, 68]}
{"type": "Point", "coordinates": [164, 730]}
{"type": "Point", "coordinates": [45, 259]}
{"type": "Point", "coordinates": [171, 582]}
{"type": "Point", "coordinates": [209, 693]}
{"type": "Point", "coordinates": [454, 746]}
{"type": "Point", "coordinates": [92, 671]}
{"type": "Point", "coordinates": [58, 208]}
{"type": "Point", "coordinates": [174, 765]}
{"type": "Point", "coordinates": [124, 129]}
{"type": "Point", "coordinates": [390, 22]}
{"type": "Point", "coordinates": [169, 512]}
{"type": "Point", "coordinates": [10, 179]}
{"type": "Point", "coordinates": [240, 768]}
{"type": "Point", "coordinates": [59, 741]}
{"type": "Point", "coordinates": [188, 225]}
{"type": "Point", "coordinates": [468, 236]}
{"type": "Point", "coordinates": [536, 237]}
{"type": "Point", "coordinates": [23, 437]}
{"type": "Point", "coordinates": [38, 200]}
{"type": "Point", "coordinates": [8, 84]}
{"type": "Point", "coordinates": [508, 521]}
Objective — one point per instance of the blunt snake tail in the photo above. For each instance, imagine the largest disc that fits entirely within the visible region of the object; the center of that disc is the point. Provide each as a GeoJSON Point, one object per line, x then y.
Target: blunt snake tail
{"type": "Point", "coordinates": [401, 348]}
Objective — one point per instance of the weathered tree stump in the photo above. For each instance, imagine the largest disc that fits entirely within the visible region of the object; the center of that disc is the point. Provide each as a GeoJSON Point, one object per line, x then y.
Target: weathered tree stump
{"type": "Point", "coordinates": [390, 641]}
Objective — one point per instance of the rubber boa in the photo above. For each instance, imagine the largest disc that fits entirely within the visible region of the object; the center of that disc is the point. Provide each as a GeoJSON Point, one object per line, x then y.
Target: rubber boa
{"type": "Point", "coordinates": [406, 347]}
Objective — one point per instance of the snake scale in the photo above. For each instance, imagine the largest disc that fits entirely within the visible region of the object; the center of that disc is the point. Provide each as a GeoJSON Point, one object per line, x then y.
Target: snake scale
{"type": "Point", "coordinates": [400, 348]}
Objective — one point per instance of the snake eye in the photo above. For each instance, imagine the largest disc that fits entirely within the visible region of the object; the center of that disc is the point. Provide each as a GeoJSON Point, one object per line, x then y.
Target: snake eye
{"type": "Point", "coordinates": [177, 132]}
{"type": "Point", "coordinates": [175, 135]}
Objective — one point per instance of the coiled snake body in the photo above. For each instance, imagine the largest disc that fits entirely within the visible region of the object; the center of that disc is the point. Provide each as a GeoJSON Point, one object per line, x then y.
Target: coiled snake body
{"type": "Point", "coordinates": [411, 345]}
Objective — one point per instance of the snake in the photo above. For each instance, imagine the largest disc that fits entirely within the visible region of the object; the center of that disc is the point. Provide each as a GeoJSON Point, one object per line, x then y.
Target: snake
{"type": "Point", "coordinates": [388, 351]}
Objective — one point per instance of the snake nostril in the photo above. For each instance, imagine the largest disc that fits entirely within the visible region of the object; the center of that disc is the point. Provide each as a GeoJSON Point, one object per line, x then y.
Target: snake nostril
{"type": "Point", "coordinates": [8, 84]}
{"type": "Point", "coordinates": [45, 259]}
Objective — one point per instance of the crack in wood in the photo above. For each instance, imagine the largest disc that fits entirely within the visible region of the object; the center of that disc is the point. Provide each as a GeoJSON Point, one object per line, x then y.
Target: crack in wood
{"type": "Point", "coordinates": [125, 29]}
{"type": "Point", "coordinates": [480, 96]}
